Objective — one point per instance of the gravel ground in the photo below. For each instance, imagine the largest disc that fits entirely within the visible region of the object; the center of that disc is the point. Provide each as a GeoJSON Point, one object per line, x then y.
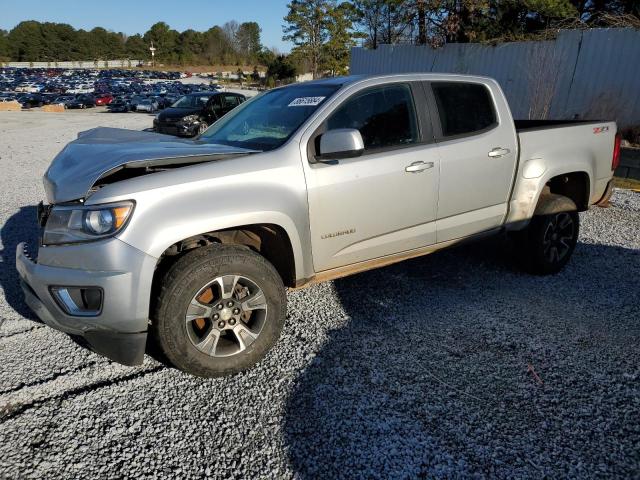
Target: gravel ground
{"type": "Point", "coordinates": [454, 365]}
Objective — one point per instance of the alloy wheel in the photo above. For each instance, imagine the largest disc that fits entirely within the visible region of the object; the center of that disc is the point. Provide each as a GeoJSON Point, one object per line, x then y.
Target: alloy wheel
{"type": "Point", "coordinates": [226, 316]}
{"type": "Point", "coordinates": [558, 237]}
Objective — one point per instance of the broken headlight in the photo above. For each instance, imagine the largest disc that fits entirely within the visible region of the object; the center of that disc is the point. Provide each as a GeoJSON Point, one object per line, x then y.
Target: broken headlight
{"type": "Point", "coordinates": [190, 119]}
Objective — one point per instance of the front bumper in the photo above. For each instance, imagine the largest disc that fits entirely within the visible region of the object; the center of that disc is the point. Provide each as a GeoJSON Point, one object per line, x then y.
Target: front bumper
{"type": "Point", "coordinates": [176, 129]}
{"type": "Point", "coordinates": [124, 273]}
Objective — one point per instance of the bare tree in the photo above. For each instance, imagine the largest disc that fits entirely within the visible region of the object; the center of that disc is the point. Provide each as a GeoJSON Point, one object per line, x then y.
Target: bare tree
{"type": "Point", "coordinates": [543, 73]}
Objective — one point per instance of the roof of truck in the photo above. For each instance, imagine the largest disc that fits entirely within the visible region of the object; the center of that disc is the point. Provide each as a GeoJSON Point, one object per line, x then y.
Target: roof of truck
{"type": "Point", "coordinates": [349, 79]}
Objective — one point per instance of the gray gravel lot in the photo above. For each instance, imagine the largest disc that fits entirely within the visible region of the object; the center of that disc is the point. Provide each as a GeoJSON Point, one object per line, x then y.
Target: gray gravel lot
{"type": "Point", "coordinates": [419, 370]}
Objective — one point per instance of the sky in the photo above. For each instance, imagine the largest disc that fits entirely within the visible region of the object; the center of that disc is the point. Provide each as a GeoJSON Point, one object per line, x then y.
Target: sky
{"type": "Point", "coordinates": [136, 16]}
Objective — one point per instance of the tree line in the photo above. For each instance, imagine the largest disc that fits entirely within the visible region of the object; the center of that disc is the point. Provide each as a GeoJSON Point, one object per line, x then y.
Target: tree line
{"type": "Point", "coordinates": [231, 44]}
{"type": "Point", "coordinates": [322, 32]}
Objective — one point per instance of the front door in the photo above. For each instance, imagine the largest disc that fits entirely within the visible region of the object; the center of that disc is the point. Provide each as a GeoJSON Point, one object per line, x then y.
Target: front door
{"type": "Point", "coordinates": [385, 201]}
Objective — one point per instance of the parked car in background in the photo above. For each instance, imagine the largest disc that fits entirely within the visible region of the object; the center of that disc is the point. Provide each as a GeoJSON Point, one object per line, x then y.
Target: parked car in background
{"type": "Point", "coordinates": [216, 87]}
{"type": "Point", "coordinates": [190, 244]}
{"type": "Point", "coordinates": [104, 99]}
{"type": "Point", "coordinates": [82, 101]}
{"type": "Point", "coordinates": [31, 100]}
{"type": "Point", "coordinates": [82, 88]}
{"type": "Point", "coordinates": [164, 101]}
{"type": "Point", "coordinates": [192, 114]}
{"type": "Point", "coordinates": [119, 105]}
{"type": "Point", "coordinates": [148, 105]}
{"type": "Point", "coordinates": [48, 98]}
{"type": "Point", "coordinates": [63, 100]}
{"type": "Point", "coordinates": [29, 87]}
{"type": "Point", "coordinates": [135, 100]}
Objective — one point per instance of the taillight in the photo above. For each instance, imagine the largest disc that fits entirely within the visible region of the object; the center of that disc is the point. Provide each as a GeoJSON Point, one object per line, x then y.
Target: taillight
{"type": "Point", "coordinates": [615, 161]}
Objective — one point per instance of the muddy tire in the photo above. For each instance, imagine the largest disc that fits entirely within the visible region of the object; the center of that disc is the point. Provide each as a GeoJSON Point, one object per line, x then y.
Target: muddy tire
{"type": "Point", "coordinates": [546, 245]}
{"type": "Point", "coordinates": [220, 309]}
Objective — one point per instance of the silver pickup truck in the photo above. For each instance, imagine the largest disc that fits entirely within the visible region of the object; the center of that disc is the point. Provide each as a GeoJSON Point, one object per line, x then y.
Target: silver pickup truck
{"type": "Point", "coordinates": [189, 245]}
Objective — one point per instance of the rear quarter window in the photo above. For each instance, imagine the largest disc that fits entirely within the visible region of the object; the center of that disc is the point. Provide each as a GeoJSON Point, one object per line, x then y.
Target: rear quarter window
{"type": "Point", "coordinates": [464, 108]}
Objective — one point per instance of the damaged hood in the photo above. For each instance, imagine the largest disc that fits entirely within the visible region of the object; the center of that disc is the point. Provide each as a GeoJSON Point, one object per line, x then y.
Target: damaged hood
{"type": "Point", "coordinates": [100, 151]}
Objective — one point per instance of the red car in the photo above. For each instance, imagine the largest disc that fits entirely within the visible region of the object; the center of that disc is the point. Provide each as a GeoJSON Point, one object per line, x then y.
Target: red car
{"type": "Point", "coordinates": [104, 99]}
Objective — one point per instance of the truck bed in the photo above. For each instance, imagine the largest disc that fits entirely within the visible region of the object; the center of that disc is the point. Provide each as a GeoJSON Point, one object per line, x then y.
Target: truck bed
{"type": "Point", "coordinates": [525, 125]}
{"type": "Point", "coordinates": [550, 147]}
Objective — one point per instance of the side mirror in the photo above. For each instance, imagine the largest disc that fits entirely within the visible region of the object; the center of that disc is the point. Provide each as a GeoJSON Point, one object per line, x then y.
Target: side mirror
{"type": "Point", "coordinates": [340, 143]}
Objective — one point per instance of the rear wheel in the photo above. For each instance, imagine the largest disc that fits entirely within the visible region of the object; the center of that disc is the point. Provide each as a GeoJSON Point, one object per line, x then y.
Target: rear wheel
{"type": "Point", "coordinates": [220, 310]}
{"type": "Point", "coordinates": [547, 244]}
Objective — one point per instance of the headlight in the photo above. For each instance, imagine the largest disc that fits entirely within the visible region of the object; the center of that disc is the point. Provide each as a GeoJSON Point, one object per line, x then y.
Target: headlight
{"type": "Point", "coordinates": [74, 224]}
{"type": "Point", "coordinates": [190, 119]}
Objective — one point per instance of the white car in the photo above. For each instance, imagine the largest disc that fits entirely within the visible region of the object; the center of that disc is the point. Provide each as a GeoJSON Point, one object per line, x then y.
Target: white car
{"type": "Point", "coordinates": [149, 106]}
{"type": "Point", "coordinates": [28, 88]}
{"type": "Point", "coordinates": [82, 88]}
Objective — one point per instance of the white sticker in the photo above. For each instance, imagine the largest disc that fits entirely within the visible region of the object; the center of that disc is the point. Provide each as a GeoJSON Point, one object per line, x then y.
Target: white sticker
{"type": "Point", "coordinates": [306, 101]}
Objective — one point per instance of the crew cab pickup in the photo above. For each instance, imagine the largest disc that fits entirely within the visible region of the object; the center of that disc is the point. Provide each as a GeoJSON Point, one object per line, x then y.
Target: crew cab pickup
{"type": "Point", "coordinates": [189, 245]}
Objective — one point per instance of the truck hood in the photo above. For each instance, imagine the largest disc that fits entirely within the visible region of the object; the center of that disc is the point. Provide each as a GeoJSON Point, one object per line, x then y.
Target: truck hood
{"type": "Point", "coordinates": [102, 151]}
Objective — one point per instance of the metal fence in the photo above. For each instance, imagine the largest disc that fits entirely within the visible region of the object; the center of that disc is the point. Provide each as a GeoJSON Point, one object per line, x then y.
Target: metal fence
{"type": "Point", "coordinates": [582, 74]}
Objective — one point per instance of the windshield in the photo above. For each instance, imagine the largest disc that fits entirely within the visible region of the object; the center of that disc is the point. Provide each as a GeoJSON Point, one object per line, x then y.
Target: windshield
{"type": "Point", "coordinates": [192, 101]}
{"type": "Point", "coordinates": [268, 120]}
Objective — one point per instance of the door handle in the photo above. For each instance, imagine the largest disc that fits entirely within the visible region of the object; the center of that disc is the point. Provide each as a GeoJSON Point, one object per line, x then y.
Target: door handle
{"type": "Point", "coordinates": [499, 152]}
{"type": "Point", "coordinates": [417, 167]}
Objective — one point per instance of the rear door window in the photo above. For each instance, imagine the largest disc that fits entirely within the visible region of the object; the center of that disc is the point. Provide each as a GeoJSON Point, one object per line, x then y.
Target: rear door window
{"type": "Point", "coordinates": [385, 116]}
{"type": "Point", "coordinates": [216, 104]}
{"type": "Point", "coordinates": [464, 108]}
{"type": "Point", "coordinates": [230, 101]}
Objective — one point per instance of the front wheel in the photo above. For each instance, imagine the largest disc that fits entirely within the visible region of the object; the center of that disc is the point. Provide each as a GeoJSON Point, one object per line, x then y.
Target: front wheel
{"type": "Point", "coordinates": [202, 128]}
{"type": "Point", "coordinates": [547, 244]}
{"type": "Point", "coordinates": [221, 308]}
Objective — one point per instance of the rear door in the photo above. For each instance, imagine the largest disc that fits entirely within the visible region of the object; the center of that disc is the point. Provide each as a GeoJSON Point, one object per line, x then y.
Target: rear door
{"type": "Point", "coordinates": [478, 150]}
{"type": "Point", "coordinates": [383, 202]}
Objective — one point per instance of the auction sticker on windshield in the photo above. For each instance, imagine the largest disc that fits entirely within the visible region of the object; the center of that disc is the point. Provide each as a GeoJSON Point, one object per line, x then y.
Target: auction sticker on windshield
{"type": "Point", "coordinates": [306, 101]}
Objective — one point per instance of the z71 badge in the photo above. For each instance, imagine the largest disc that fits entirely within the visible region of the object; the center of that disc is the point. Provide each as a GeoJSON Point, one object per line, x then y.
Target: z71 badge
{"type": "Point", "coordinates": [597, 130]}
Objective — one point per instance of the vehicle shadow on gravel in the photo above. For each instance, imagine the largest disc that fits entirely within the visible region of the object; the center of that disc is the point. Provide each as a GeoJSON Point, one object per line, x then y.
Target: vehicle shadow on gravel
{"type": "Point", "coordinates": [20, 227]}
{"type": "Point", "coordinates": [458, 365]}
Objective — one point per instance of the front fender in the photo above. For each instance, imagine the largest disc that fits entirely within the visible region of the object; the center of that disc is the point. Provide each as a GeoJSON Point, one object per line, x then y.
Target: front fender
{"type": "Point", "coordinates": [177, 204]}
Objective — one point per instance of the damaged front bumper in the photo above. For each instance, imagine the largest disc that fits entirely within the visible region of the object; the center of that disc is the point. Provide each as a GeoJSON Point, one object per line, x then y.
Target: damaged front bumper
{"type": "Point", "coordinates": [123, 274]}
{"type": "Point", "coordinates": [178, 129]}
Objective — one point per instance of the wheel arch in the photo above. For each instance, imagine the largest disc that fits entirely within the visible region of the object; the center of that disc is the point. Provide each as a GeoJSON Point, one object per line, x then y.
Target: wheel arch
{"type": "Point", "coordinates": [269, 240]}
{"type": "Point", "coordinates": [574, 184]}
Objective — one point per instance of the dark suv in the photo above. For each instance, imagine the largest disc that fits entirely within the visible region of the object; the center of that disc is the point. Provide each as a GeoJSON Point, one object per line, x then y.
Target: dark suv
{"type": "Point", "coordinates": [192, 114]}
